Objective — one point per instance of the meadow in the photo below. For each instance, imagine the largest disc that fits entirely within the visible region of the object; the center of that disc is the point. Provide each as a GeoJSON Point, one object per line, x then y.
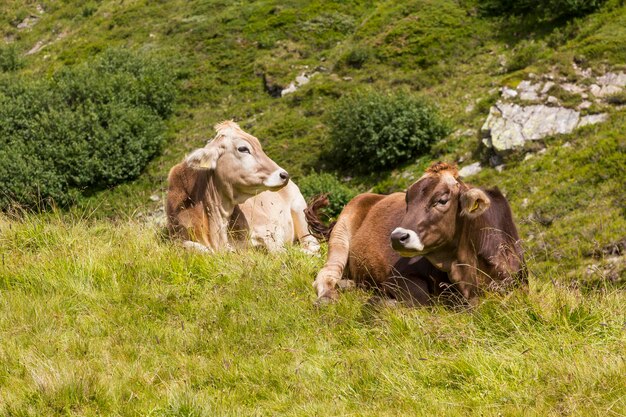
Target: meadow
{"type": "Point", "coordinates": [110, 319]}
{"type": "Point", "coordinates": [102, 314]}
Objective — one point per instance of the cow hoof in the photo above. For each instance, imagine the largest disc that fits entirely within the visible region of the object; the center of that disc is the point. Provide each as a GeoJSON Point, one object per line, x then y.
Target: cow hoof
{"type": "Point", "coordinates": [328, 297]}
{"type": "Point", "coordinates": [195, 246]}
{"type": "Point", "coordinates": [310, 252]}
{"type": "Point", "coordinates": [346, 284]}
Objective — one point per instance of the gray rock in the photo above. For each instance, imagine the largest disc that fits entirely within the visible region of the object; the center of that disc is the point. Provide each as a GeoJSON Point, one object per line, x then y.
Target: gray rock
{"type": "Point", "coordinates": [592, 119]}
{"type": "Point", "coordinates": [300, 80]}
{"type": "Point", "coordinates": [572, 88]}
{"type": "Point", "coordinates": [28, 22]}
{"type": "Point", "coordinates": [291, 88]}
{"type": "Point", "coordinates": [553, 100]}
{"type": "Point", "coordinates": [508, 92]}
{"type": "Point", "coordinates": [471, 169]}
{"type": "Point", "coordinates": [608, 84]}
{"type": "Point", "coordinates": [584, 105]}
{"type": "Point", "coordinates": [155, 197]}
{"type": "Point", "coordinates": [546, 87]}
{"type": "Point", "coordinates": [611, 78]}
{"type": "Point", "coordinates": [528, 91]}
{"type": "Point", "coordinates": [509, 126]}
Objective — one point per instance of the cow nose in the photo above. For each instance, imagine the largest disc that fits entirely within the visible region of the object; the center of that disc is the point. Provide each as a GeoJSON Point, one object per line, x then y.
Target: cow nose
{"type": "Point", "coordinates": [400, 236]}
{"type": "Point", "coordinates": [284, 175]}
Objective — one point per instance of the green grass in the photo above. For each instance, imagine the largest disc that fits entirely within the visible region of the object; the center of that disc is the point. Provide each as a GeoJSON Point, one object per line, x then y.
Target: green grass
{"type": "Point", "coordinates": [101, 318]}
{"type": "Point", "coordinates": [101, 315]}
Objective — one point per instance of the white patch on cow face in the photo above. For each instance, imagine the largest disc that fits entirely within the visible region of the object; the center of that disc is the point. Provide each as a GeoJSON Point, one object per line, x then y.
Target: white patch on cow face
{"type": "Point", "coordinates": [449, 179]}
{"type": "Point", "coordinates": [406, 242]}
{"type": "Point", "coordinates": [277, 179]}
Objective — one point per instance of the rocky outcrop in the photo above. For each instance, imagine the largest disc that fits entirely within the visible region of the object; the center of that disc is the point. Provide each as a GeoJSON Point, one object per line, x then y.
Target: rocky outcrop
{"type": "Point", "coordinates": [511, 122]}
{"type": "Point", "coordinates": [509, 126]}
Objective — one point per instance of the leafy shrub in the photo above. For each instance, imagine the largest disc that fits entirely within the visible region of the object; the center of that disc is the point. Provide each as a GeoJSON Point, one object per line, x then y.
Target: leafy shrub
{"type": "Point", "coordinates": [524, 54]}
{"type": "Point", "coordinates": [9, 59]}
{"type": "Point", "coordinates": [339, 194]}
{"type": "Point", "coordinates": [548, 9]}
{"type": "Point", "coordinates": [370, 130]}
{"type": "Point", "coordinates": [357, 57]}
{"type": "Point", "coordinates": [86, 128]}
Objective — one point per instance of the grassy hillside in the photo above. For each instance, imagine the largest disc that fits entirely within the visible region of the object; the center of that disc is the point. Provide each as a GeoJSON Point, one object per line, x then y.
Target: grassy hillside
{"type": "Point", "coordinates": [101, 318]}
{"type": "Point", "coordinates": [102, 315]}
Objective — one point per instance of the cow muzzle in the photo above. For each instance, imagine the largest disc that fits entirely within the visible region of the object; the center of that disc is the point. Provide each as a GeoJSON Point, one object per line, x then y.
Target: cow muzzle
{"type": "Point", "coordinates": [277, 180]}
{"type": "Point", "coordinates": [406, 242]}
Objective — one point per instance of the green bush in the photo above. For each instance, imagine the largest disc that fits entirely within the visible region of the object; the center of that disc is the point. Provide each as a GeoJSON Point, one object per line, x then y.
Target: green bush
{"type": "Point", "coordinates": [339, 194]}
{"type": "Point", "coordinates": [9, 59]}
{"type": "Point", "coordinates": [549, 9]}
{"type": "Point", "coordinates": [86, 128]}
{"type": "Point", "coordinates": [524, 54]}
{"type": "Point", "coordinates": [357, 57]}
{"type": "Point", "coordinates": [370, 130]}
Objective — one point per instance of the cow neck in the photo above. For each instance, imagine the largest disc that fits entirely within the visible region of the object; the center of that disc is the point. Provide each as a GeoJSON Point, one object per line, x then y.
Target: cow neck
{"type": "Point", "coordinates": [219, 209]}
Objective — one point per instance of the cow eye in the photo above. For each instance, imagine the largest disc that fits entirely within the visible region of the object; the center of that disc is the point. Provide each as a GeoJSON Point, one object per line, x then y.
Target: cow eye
{"type": "Point", "coordinates": [243, 149]}
{"type": "Point", "coordinates": [442, 201]}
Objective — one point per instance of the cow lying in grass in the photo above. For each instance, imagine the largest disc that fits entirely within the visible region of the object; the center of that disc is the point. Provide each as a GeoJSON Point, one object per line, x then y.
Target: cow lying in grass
{"type": "Point", "coordinates": [208, 187]}
{"type": "Point", "coordinates": [440, 233]}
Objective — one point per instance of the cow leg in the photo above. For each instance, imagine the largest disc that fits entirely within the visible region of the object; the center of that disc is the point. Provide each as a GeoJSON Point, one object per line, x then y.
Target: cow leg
{"type": "Point", "coordinates": [338, 249]}
{"type": "Point", "coordinates": [309, 243]}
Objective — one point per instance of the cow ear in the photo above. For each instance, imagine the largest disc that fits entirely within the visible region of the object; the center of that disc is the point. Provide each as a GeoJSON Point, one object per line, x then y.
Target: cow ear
{"type": "Point", "coordinates": [474, 202]}
{"type": "Point", "coordinates": [204, 158]}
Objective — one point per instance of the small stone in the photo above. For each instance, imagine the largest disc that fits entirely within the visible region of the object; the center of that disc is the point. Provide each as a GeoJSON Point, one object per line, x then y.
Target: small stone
{"type": "Point", "coordinates": [547, 86]}
{"type": "Point", "coordinates": [155, 197]}
{"type": "Point", "coordinates": [525, 203]}
{"type": "Point", "coordinates": [584, 105]}
{"type": "Point", "coordinates": [508, 92]}
{"type": "Point", "coordinates": [469, 108]}
{"type": "Point", "coordinates": [592, 119]}
{"type": "Point", "coordinates": [572, 88]}
{"type": "Point", "coordinates": [566, 145]}
{"type": "Point", "coordinates": [500, 168]}
{"type": "Point", "coordinates": [347, 78]}
{"type": "Point", "coordinates": [290, 89]}
{"type": "Point", "coordinates": [553, 100]}
{"type": "Point", "coordinates": [302, 79]}
{"type": "Point", "coordinates": [528, 156]}
{"type": "Point", "coordinates": [529, 96]}
{"type": "Point", "coordinates": [542, 151]}
{"type": "Point", "coordinates": [469, 170]}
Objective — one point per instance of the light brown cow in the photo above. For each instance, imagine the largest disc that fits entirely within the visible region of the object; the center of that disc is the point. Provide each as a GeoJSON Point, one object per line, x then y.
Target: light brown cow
{"type": "Point", "coordinates": [273, 219]}
{"type": "Point", "coordinates": [447, 232]}
{"type": "Point", "coordinates": [204, 189]}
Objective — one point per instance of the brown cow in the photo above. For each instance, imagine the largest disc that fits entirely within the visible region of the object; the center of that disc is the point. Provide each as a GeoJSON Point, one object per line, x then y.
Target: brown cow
{"type": "Point", "coordinates": [446, 231]}
{"type": "Point", "coordinates": [204, 189]}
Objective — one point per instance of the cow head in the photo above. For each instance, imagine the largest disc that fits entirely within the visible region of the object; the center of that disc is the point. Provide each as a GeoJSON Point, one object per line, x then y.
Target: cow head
{"type": "Point", "coordinates": [434, 203]}
{"type": "Point", "coordinates": [238, 161]}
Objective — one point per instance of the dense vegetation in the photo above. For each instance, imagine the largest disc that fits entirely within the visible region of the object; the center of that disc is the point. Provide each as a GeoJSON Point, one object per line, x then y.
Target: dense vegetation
{"type": "Point", "coordinates": [87, 127]}
{"type": "Point", "coordinates": [549, 10]}
{"type": "Point", "coordinates": [374, 131]}
{"type": "Point", "coordinates": [100, 315]}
